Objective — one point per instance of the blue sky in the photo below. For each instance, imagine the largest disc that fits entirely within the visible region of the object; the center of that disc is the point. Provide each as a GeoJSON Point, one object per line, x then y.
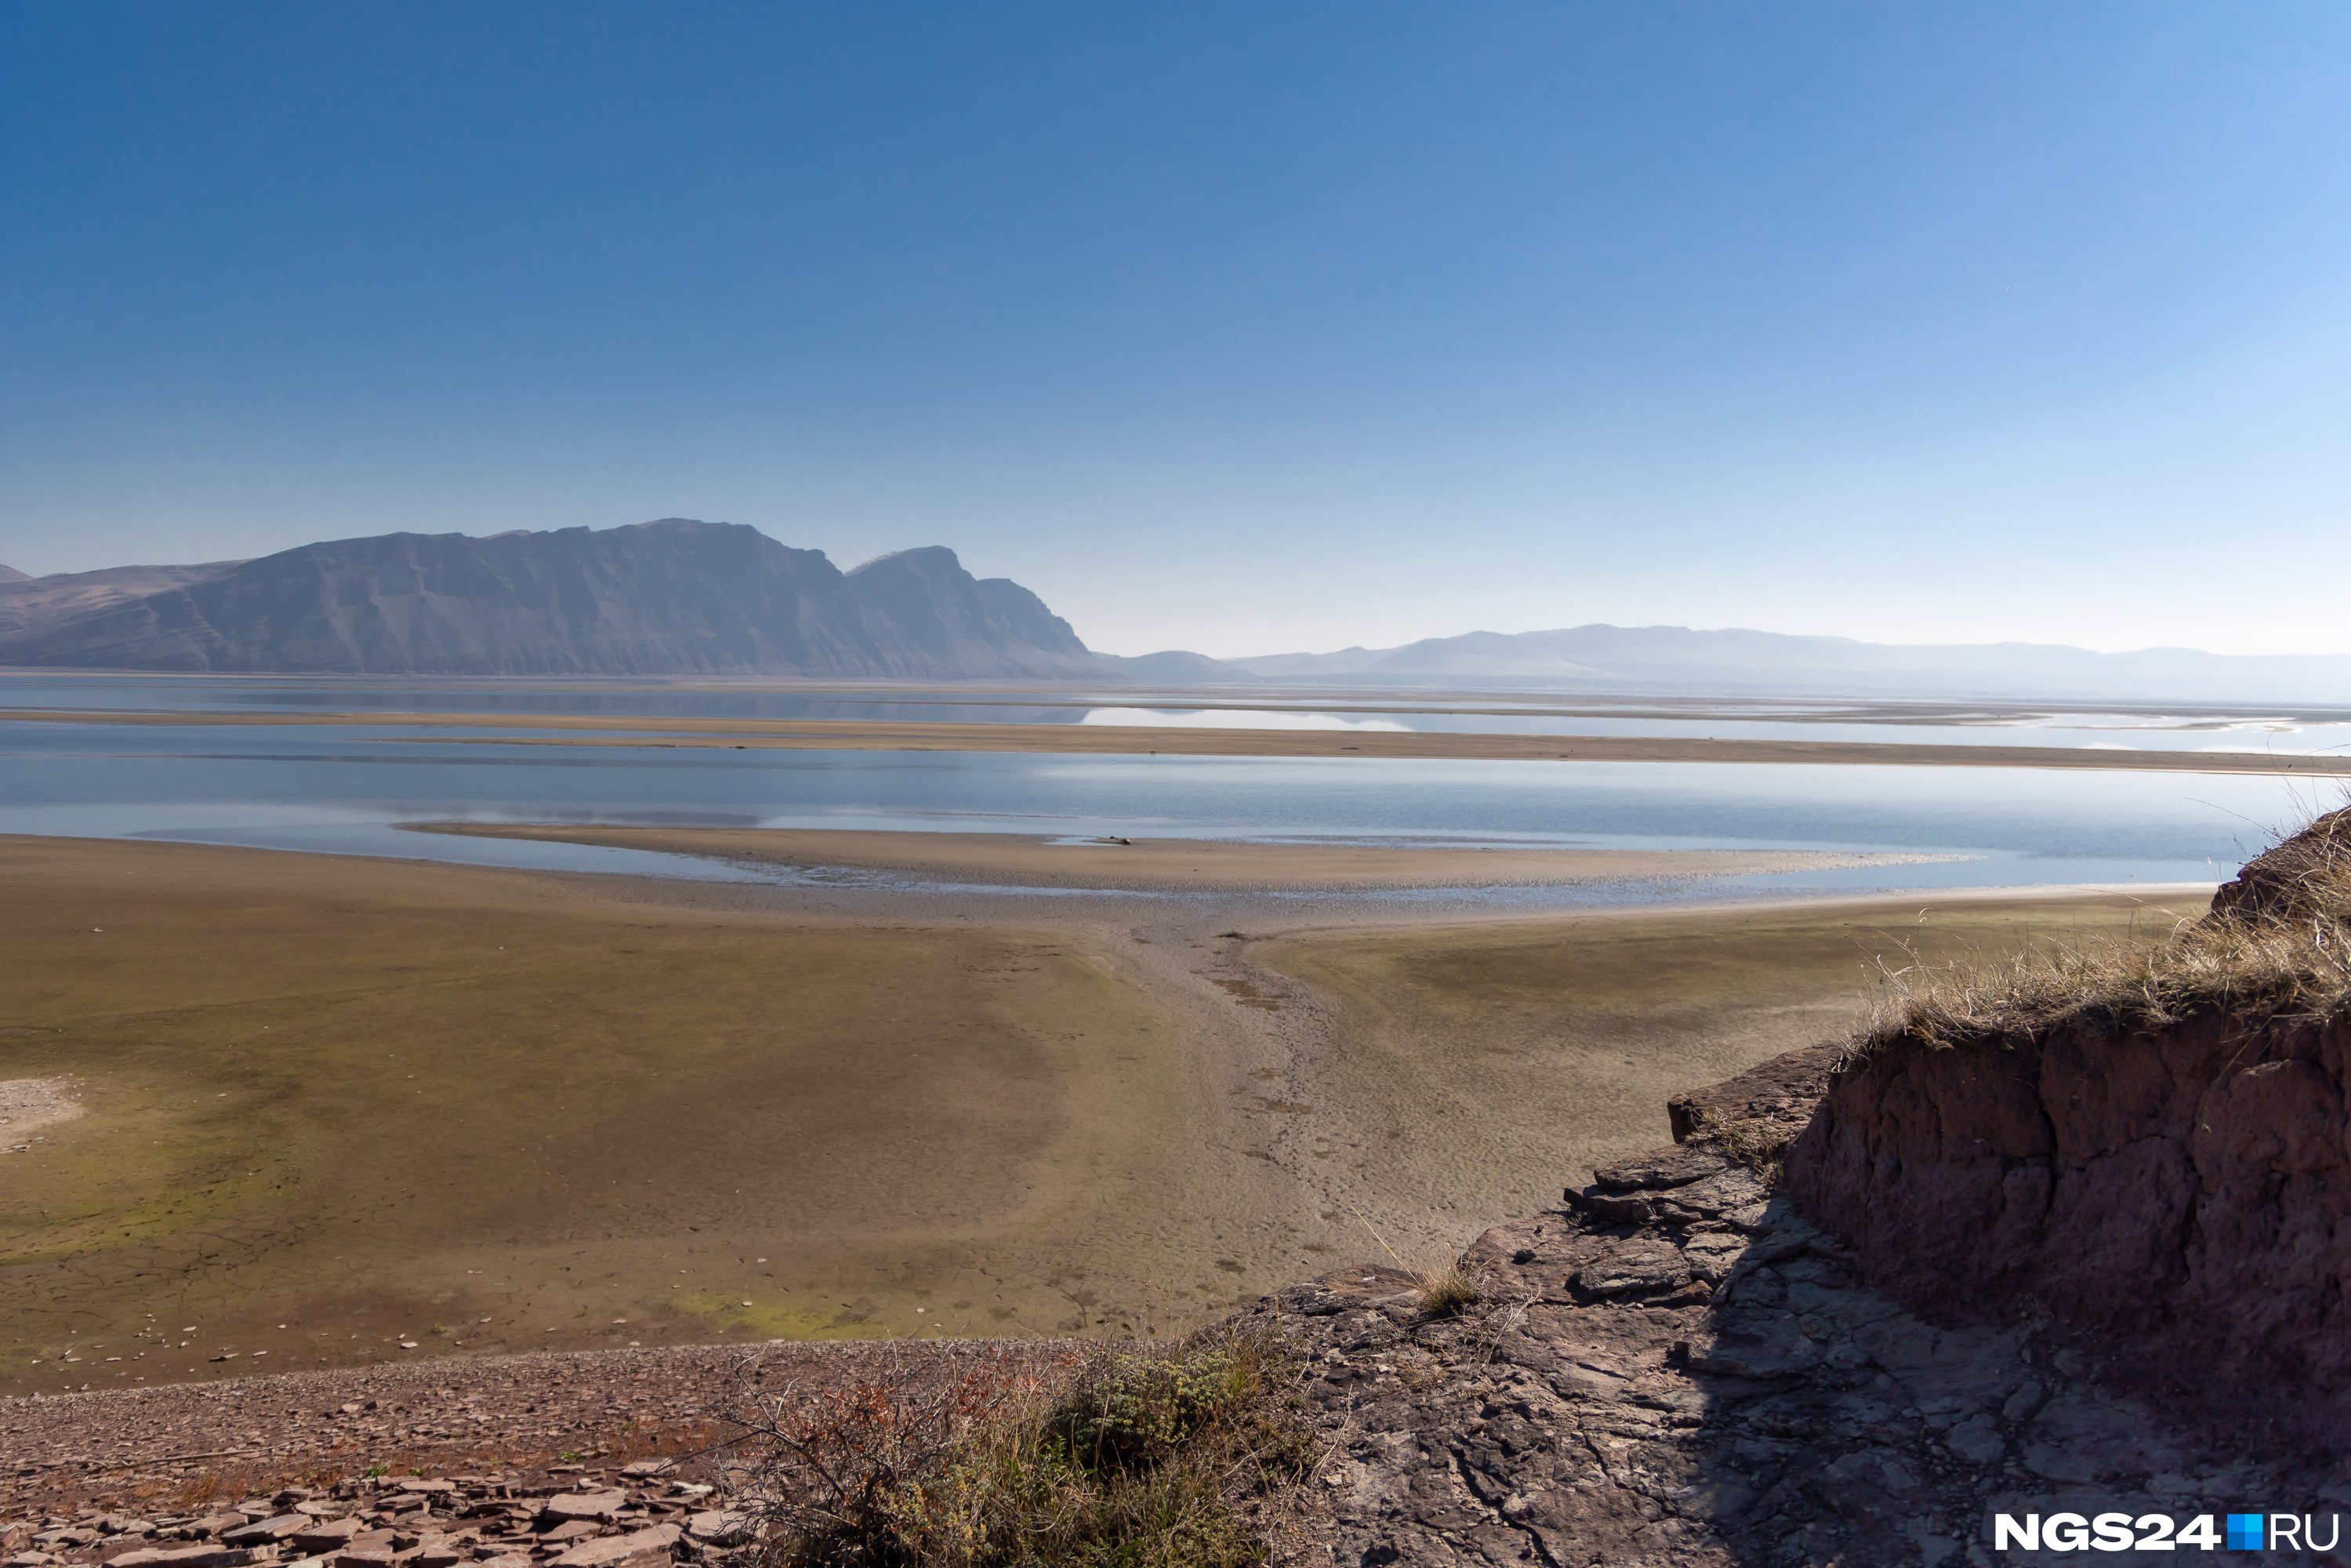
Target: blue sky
{"type": "Point", "coordinates": [1244, 328]}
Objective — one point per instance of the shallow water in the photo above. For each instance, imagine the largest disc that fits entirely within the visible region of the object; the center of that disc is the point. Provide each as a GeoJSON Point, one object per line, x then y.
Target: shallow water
{"type": "Point", "coordinates": [342, 789]}
{"type": "Point", "coordinates": [2127, 732]}
{"type": "Point", "coordinates": [2286, 731]}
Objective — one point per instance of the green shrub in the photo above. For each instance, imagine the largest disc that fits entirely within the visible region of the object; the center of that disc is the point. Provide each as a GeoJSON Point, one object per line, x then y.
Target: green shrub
{"type": "Point", "coordinates": [1141, 1459]}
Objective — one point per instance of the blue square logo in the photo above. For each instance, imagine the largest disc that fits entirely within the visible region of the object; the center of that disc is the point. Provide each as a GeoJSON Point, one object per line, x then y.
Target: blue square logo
{"type": "Point", "coordinates": [2244, 1532]}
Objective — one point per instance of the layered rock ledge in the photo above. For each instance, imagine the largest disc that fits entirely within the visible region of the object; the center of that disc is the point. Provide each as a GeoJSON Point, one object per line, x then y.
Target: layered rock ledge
{"type": "Point", "coordinates": [1681, 1367]}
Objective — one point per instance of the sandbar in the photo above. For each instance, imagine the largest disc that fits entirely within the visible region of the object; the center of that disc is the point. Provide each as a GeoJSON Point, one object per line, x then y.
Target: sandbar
{"type": "Point", "coordinates": [1078, 739]}
{"type": "Point", "coordinates": [1028, 861]}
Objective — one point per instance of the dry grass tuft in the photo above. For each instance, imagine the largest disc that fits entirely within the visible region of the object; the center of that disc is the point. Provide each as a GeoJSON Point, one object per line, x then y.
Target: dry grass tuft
{"type": "Point", "coordinates": [1447, 1289]}
{"type": "Point", "coordinates": [1132, 1457]}
{"type": "Point", "coordinates": [2276, 945]}
{"type": "Point", "coordinates": [1442, 1286]}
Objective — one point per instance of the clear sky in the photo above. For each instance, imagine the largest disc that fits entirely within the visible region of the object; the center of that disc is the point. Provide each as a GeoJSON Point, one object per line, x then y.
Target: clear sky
{"type": "Point", "coordinates": [1244, 328]}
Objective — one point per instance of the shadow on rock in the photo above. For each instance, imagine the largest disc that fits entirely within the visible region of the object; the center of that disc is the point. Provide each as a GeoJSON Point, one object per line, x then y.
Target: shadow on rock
{"type": "Point", "coordinates": [1679, 1368]}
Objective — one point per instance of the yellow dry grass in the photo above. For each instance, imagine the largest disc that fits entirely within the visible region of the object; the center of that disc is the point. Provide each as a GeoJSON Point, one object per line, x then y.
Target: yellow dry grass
{"type": "Point", "coordinates": [2276, 945]}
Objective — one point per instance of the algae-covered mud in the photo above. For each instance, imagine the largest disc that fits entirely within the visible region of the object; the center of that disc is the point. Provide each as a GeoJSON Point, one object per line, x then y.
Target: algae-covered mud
{"type": "Point", "coordinates": [1485, 1065]}
{"type": "Point", "coordinates": [302, 1110]}
{"type": "Point", "coordinates": [332, 1109]}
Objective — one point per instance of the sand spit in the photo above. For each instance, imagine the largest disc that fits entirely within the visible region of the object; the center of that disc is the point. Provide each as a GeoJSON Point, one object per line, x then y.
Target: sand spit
{"type": "Point", "coordinates": [1099, 740]}
{"type": "Point", "coordinates": [1166, 864]}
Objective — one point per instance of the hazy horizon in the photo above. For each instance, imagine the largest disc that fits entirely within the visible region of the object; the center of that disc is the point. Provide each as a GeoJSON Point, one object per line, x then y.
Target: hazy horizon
{"type": "Point", "coordinates": [1263, 648]}
{"type": "Point", "coordinates": [1902, 324]}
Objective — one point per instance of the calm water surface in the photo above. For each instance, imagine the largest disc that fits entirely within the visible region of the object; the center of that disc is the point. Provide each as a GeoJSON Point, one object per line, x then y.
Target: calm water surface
{"type": "Point", "coordinates": [342, 789]}
{"type": "Point", "coordinates": [2297, 732]}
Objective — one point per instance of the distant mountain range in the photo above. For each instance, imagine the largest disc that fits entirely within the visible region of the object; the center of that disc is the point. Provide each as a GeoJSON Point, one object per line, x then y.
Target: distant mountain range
{"type": "Point", "coordinates": [1674, 658]}
{"type": "Point", "coordinates": [672, 597]}
{"type": "Point", "coordinates": [683, 597]}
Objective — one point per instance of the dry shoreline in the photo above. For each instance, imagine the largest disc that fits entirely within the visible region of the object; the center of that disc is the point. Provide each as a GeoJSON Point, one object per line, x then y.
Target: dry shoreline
{"type": "Point", "coordinates": [1105, 740]}
{"type": "Point", "coordinates": [1156, 864]}
{"type": "Point", "coordinates": [344, 1101]}
{"type": "Point", "coordinates": [335, 1107]}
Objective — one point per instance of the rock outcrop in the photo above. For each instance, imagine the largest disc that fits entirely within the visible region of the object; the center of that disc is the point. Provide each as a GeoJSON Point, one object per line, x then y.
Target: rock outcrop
{"type": "Point", "coordinates": [924, 612]}
{"type": "Point", "coordinates": [672, 597]}
{"type": "Point", "coordinates": [1680, 1368]}
{"type": "Point", "coordinates": [2159, 1161]}
{"type": "Point", "coordinates": [2307, 877]}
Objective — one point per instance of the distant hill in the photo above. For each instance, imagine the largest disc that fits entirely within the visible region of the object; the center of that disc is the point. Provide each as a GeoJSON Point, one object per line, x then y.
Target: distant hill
{"type": "Point", "coordinates": [1176, 667]}
{"type": "Point", "coordinates": [28, 604]}
{"type": "Point", "coordinates": [672, 597]}
{"type": "Point", "coordinates": [10, 574]}
{"type": "Point", "coordinates": [1676, 658]}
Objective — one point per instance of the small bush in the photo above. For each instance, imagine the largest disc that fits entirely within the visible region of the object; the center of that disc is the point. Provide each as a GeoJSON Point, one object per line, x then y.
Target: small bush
{"type": "Point", "coordinates": [1140, 1459]}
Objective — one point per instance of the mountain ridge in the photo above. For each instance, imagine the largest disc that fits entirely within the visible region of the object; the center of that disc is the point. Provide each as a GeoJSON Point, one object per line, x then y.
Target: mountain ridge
{"type": "Point", "coordinates": [680, 596]}
{"type": "Point", "coordinates": [674, 596]}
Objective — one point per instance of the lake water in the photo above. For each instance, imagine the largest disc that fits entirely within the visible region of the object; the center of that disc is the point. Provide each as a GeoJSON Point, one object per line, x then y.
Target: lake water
{"type": "Point", "coordinates": [2293, 732]}
{"type": "Point", "coordinates": [342, 788]}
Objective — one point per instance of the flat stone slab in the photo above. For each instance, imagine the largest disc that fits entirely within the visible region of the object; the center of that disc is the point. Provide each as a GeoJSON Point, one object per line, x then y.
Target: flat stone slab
{"type": "Point", "coordinates": [636, 1548]}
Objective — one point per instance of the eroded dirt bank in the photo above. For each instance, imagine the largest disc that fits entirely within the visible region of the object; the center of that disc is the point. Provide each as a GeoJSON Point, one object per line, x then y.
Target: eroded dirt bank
{"type": "Point", "coordinates": [2154, 1153]}
{"type": "Point", "coordinates": [2180, 1196]}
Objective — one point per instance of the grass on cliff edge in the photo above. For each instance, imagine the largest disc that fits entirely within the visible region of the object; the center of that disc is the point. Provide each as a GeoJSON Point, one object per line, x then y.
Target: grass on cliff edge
{"type": "Point", "coordinates": [2277, 944]}
{"type": "Point", "coordinates": [1148, 1457]}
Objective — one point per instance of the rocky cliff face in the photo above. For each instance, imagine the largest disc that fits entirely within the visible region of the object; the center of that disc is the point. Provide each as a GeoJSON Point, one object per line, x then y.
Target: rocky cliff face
{"type": "Point", "coordinates": [674, 597]}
